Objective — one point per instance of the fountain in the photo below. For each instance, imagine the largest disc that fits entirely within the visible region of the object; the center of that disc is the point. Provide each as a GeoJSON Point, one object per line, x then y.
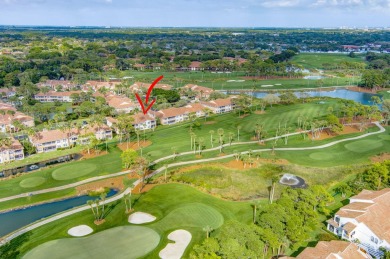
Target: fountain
{"type": "Point", "coordinates": [292, 181]}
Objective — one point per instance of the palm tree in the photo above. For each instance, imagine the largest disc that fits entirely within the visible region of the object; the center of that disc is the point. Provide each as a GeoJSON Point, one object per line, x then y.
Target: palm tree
{"type": "Point", "coordinates": [231, 136]}
{"type": "Point", "coordinates": [200, 143]}
{"type": "Point", "coordinates": [103, 198]}
{"type": "Point", "coordinates": [238, 132]}
{"type": "Point", "coordinates": [274, 180]}
{"type": "Point", "coordinates": [220, 132]}
{"type": "Point", "coordinates": [211, 137]}
{"type": "Point", "coordinates": [208, 230]}
{"type": "Point", "coordinates": [255, 205]}
{"type": "Point", "coordinates": [90, 203]}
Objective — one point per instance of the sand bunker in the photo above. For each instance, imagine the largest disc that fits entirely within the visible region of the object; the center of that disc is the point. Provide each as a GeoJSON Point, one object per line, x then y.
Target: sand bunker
{"type": "Point", "coordinates": [80, 231]}
{"type": "Point", "coordinates": [176, 250]}
{"type": "Point", "coordinates": [267, 85]}
{"type": "Point", "coordinates": [141, 218]}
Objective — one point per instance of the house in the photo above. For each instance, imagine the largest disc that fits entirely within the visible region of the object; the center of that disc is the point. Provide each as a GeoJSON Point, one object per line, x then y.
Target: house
{"type": "Point", "coordinates": [58, 84]}
{"type": "Point", "coordinates": [52, 96]}
{"type": "Point", "coordinates": [51, 140]}
{"type": "Point", "coordinates": [140, 121]}
{"type": "Point", "coordinates": [174, 115]}
{"type": "Point", "coordinates": [140, 67]}
{"type": "Point", "coordinates": [144, 121]}
{"type": "Point", "coordinates": [195, 66]}
{"type": "Point", "coordinates": [219, 105]}
{"type": "Point", "coordinates": [7, 92]}
{"type": "Point", "coordinates": [12, 152]}
{"type": "Point", "coordinates": [8, 115]}
{"type": "Point", "coordinates": [202, 92]}
{"type": "Point", "coordinates": [334, 249]}
{"type": "Point", "coordinates": [139, 86]}
{"type": "Point", "coordinates": [122, 104]}
{"type": "Point", "coordinates": [96, 85]}
{"type": "Point", "coordinates": [365, 221]}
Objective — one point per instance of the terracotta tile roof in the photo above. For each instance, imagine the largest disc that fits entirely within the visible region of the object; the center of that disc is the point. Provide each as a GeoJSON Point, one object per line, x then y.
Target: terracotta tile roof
{"type": "Point", "coordinates": [54, 83]}
{"type": "Point", "coordinates": [198, 88]}
{"type": "Point", "coordinates": [333, 223]}
{"type": "Point", "coordinates": [171, 112]}
{"type": "Point", "coordinates": [375, 215]}
{"type": "Point", "coordinates": [112, 120]}
{"type": "Point", "coordinates": [139, 65]}
{"type": "Point", "coordinates": [7, 107]}
{"type": "Point", "coordinates": [14, 145]}
{"type": "Point", "coordinates": [119, 102]}
{"type": "Point", "coordinates": [141, 118]}
{"type": "Point", "coordinates": [8, 118]}
{"type": "Point", "coordinates": [333, 249]}
{"type": "Point", "coordinates": [195, 64]}
{"type": "Point", "coordinates": [357, 206]}
{"type": "Point", "coordinates": [370, 195]}
{"type": "Point", "coordinates": [349, 227]}
{"type": "Point", "coordinates": [219, 102]}
{"type": "Point", "coordinates": [194, 107]}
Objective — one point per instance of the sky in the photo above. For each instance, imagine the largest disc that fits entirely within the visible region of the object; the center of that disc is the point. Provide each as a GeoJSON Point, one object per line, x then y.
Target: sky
{"type": "Point", "coordinates": [197, 13]}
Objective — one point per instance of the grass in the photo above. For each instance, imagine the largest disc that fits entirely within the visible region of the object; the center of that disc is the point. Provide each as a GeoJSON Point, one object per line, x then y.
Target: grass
{"type": "Point", "coordinates": [73, 171]}
{"type": "Point", "coordinates": [165, 202]}
{"type": "Point", "coordinates": [104, 165]}
{"type": "Point", "coordinates": [228, 81]}
{"type": "Point", "coordinates": [119, 242]}
{"type": "Point", "coordinates": [317, 60]}
{"type": "Point", "coordinates": [32, 182]}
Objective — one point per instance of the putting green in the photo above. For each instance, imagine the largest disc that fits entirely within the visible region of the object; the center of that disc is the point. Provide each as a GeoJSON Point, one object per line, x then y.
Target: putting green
{"type": "Point", "coordinates": [194, 215]}
{"type": "Point", "coordinates": [32, 182]}
{"type": "Point", "coordinates": [363, 146]}
{"type": "Point", "coordinates": [385, 137]}
{"type": "Point", "coordinates": [321, 156]}
{"type": "Point", "coordinates": [120, 242]}
{"type": "Point", "coordinates": [73, 171]}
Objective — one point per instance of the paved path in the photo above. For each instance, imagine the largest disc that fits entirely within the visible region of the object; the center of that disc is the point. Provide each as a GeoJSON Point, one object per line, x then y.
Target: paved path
{"type": "Point", "coordinates": [119, 196]}
{"type": "Point", "coordinates": [63, 187]}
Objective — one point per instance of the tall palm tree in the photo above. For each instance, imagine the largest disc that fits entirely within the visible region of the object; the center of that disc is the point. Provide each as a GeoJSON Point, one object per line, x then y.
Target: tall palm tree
{"type": "Point", "coordinates": [255, 205]}
{"type": "Point", "coordinates": [208, 230]}
{"type": "Point", "coordinates": [238, 132]}
{"type": "Point", "coordinates": [211, 137]}
{"type": "Point", "coordinates": [200, 142]}
{"type": "Point", "coordinates": [220, 132]}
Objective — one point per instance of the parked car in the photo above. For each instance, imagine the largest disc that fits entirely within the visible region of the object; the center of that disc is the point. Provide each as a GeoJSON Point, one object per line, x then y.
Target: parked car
{"type": "Point", "coordinates": [33, 167]}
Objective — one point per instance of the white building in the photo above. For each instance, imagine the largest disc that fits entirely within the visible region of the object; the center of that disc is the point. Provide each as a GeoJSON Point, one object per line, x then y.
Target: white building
{"type": "Point", "coordinates": [220, 105]}
{"type": "Point", "coordinates": [365, 221]}
{"type": "Point", "coordinates": [12, 152]}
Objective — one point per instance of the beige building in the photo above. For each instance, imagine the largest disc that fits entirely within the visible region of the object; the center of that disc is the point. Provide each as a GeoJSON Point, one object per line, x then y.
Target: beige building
{"type": "Point", "coordinates": [12, 152]}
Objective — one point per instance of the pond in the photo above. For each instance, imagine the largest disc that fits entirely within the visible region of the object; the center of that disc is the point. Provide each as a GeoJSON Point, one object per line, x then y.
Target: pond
{"type": "Point", "coordinates": [13, 220]}
{"type": "Point", "coordinates": [313, 77]}
{"type": "Point", "coordinates": [363, 98]}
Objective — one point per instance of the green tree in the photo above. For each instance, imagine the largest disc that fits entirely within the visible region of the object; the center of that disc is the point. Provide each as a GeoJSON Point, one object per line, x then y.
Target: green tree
{"type": "Point", "coordinates": [129, 158]}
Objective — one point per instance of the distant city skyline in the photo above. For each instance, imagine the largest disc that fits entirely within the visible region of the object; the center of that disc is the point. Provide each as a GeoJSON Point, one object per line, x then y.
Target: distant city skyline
{"type": "Point", "coordinates": [197, 13]}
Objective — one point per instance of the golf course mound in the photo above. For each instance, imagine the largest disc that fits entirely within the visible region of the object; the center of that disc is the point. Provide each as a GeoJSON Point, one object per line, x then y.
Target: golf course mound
{"type": "Point", "coordinates": [80, 231]}
{"type": "Point", "coordinates": [384, 137]}
{"type": "Point", "coordinates": [141, 218]}
{"type": "Point", "coordinates": [362, 146]}
{"type": "Point", "coordinates": [194, 215]}
{"type": "Point", "coordinates": [321, 156]}
{"type": "Point", "coordinates": [176, 250]}
{"type": "Point", "coordinates": [73, 171]}
{"type": "Point", "coordinates": [120, 242]}
{"type": "Point", "coordinates": [32, 182]}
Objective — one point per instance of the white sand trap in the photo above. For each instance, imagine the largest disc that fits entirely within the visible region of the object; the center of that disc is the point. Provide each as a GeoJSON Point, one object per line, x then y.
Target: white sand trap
{"type": "Point", "coordinates": [266, 85]}
{"type": "Point", "coordinates": [278, 84]}
{"type": "Point", "coordinates": [80, 231]}
{"type": "Point", "coordinates": [141, 218]}
{"type": "Point", "coordinates": [229, 81]}
{"type": "Point", "coordinates": [388, 91]}
{"type": "Point", "coordinates": [176, 250]}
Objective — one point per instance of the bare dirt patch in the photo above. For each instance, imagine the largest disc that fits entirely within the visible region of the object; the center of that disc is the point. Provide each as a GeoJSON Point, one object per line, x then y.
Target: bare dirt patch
{"type": "Point", "coordinates": [134, 145]}
{"type": "Point", "coordinates": [259, 112]}
{"type": "Point", "coordinates": [113, 183]}
{"type": "Point", "coordinates": [92, 154]}
{"type": "Point", "coordinates": [380, 158]}
{"type": "Point", "coordinates": [146, 188]}
{"type": "Point", "coordinates": [329, 134]}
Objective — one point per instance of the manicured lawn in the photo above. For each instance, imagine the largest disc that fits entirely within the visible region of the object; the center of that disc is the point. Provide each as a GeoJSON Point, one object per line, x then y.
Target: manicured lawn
{"type": "Point", "coordinates": [165, 138]}
{"type": "Point", "coordinates": [231, 81]}
{"type": "Point", "coordinates": [317, 60]}
{"type": "Point", "coordinates": [63, 174]}
{"type": "Point", "coordinates": [176, 206]}
{"type": "Point", "coordinates": [119, 242]}
{"type": "Point", "coordinates": [73, 171]}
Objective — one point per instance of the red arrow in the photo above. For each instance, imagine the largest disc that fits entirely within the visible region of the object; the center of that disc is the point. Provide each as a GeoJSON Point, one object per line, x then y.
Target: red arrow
{"type": "Point", "coordinates": [147, 96]}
